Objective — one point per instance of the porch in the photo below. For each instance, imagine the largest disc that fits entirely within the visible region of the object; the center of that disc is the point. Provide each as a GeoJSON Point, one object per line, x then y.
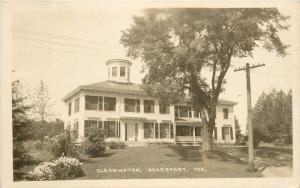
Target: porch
{"type": "Point", "coordinates": [188, 132]}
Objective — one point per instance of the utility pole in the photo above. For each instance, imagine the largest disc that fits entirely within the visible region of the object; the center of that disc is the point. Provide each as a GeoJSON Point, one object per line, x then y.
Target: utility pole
{"type": "Point", "coordinates": [249, 116]}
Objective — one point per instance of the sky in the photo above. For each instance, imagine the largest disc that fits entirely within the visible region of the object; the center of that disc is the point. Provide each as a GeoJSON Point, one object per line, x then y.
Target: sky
{"type": "Point", "coordinates": [68, 48]}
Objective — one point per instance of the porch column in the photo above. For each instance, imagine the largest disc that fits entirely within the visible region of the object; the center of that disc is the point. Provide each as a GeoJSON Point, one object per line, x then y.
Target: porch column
{"type": "Point", "coordinates": [174, 132]}
{"type": "Point", "coordinates": [158, 132]}
{"type": "Point", "coordinates": [194, 138]}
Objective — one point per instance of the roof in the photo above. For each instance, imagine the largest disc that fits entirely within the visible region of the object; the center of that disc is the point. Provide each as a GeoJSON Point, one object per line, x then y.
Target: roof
{"type": "Point", "coordinates": [118, 60]}
{"type": "Point", "coordinates": [109, 86]}
{"type": "Point", "coordinates": [226, 102]}
{"type": "Point", "coordinates": [119, 87]}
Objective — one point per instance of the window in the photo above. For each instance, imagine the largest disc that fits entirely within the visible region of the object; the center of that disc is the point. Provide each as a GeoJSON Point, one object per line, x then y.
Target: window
{"type": "Point", "coordinates": [122, 71]}
{"type": "Point", "coordinates": [69, 126]}
{"type": "Point", "coordinates": [148, 130]}
{"type": "Point", "coordinates": [76, 106]}
{"type": "Point", "coordinates": [198, 131]}
{"type": "Point", "coordinates": [184, 131]}
{"type": "Point", "coordinates": [75, 130]}
{"type": "Point", "coordinates": [100, 103]}
{"type": "Point", "coordinates": [148, 106]}
{"type": "Point", "coordinates": [171, 130]}
{"type": "Point", "coordinates": [183, 111]}
{"type": "Point", "coordinates": [91, 102]}
{"type": "Point", "coordinates": [132, 105]}
{"type": "Point", "coordinates": [88, 124]}
{"type": "Point", "coordinates": [225, 131]}
{"type": "Point", "coordinates": [225, 113]}
{"type": "Point", "coordinates": [114, 71]}
{"type": "Point", "coordinates": [109, 103]}
{"type": "Point", "coordinates": [70, 108]}
{"type": "Point", "coordinates": [216, 133]}
{"type": "Point", "coordinates": [110, 129]}
{"type": "Point", "coordinates": [164, 130]}
{"type": "Point", "coordinates": [156, 130]}
{"type": "Point", "coordinates": [196, 114]}
{"type": "Point", "coordinates": [164, 109]}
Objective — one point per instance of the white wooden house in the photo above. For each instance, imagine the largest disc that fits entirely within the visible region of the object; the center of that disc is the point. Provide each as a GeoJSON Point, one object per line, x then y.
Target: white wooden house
{"type": "Point", "coordinates": [127, 113]}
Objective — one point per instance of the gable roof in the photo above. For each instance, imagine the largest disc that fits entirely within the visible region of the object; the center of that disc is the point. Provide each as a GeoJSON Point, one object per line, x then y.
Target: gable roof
{"type": "Point", "coordinates": [119, 87]}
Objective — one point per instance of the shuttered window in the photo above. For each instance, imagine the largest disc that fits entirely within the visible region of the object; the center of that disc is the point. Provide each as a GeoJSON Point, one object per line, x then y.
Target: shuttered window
{"type": "Point", "coordinates": [216, 133]}
{"type": "Point", "coordinates": [231, 133]}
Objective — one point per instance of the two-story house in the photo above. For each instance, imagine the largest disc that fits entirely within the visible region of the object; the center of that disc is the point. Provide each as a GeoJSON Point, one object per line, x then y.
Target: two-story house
{"type": "Point", "coordinates": [127, 113]}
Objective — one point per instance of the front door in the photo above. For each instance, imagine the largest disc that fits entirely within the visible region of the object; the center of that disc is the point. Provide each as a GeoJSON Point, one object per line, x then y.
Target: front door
{"type": "Point", "coordinates": [131, 132]}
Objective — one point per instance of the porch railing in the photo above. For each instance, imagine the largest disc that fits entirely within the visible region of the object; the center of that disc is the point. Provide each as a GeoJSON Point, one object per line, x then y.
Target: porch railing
{"type": "Point", "coordinates": [188, 139]}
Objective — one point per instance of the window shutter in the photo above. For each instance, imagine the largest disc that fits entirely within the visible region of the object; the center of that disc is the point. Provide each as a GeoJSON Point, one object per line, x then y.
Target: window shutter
{"type": "Point", "coordinates": [156, 130]}
{"type": "Point", "coordinates": [171, 130]}
{"type": "Point", "coordinates": [231, 133]}
{"type": "Point", "coordinates": [223, 135]}
{"type": "Point", "coordinates": [216, 133]}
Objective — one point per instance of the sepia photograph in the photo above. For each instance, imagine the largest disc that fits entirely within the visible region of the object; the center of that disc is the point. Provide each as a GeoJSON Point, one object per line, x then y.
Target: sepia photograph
{"type": "Point", "coordinates": [152, 92]}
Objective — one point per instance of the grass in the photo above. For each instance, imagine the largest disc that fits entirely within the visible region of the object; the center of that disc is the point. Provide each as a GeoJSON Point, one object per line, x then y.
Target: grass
{"type": "Point", "coordinates": [163, 157]}
{"type": "Point", "coordinates": [38, 154]}
{"type": "Point", "coordinates": [159, 158]}
{"type": "Point", "coordinates": [264, 155]}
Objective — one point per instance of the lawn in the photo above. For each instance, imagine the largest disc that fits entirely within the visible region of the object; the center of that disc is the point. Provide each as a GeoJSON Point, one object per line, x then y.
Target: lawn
{"type": "Point", "coordinates": [265, 156]}
{"type": "Point", "coordinates": [164, 161]}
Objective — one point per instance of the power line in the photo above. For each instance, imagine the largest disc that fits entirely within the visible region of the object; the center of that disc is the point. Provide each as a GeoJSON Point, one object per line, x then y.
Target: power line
{"type": "Point", "coordinates": [59, 36]}
{"type": "Point", "coordinates": [65, 44]}
{"type": "Point", "coordinates": [61, 50]}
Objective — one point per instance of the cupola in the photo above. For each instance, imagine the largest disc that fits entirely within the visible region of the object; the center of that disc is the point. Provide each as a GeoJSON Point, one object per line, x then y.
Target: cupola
{"type": "Point", "coordinates": [118, 70]}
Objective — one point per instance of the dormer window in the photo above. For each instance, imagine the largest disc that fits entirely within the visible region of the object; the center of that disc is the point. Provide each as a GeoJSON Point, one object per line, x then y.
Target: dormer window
{"type": "Point", "coordinates": [114, 71]}
{"type": "Point", "coordinates": [122, 71]}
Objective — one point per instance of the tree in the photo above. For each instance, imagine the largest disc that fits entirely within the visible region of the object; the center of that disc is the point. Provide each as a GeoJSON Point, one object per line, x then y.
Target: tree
{"type": "Point", "coordinates": [238, 134]}
{"type": "Point", "coordinates": [42, 105]}
{"type": "Point", "coordinates": [272, 116]}
{"type": "Point", "coordinates": [20, 129]}
{"type": "Point", "coordinates": [191, 50]}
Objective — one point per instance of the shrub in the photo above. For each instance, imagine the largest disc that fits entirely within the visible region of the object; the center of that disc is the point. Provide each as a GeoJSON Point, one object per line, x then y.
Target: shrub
{"type": "Point", "coordinates": [118, 145]}
{"type": "Point", "coordinates": [63, 145]}
{"type": "Point", "coordinates": [43, 171]}
{"type": "Point", "coordinates": [62, 168]}
{"type": "Point", "coordinates": [67, 168]}
{"type": "Point", "coordinates": [94, 145]}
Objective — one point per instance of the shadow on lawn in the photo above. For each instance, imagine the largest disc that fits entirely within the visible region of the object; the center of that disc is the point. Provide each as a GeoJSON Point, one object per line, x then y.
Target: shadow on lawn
{"type": "Point", "coordinates": [187, 153]}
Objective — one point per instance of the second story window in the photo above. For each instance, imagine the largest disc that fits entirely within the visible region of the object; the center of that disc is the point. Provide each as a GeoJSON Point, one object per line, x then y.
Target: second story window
{"type": "Point", "coordinates": [114, 71]}
{"type": "Point", "coordinates": [149, 106]}
{"type": "Point", "coordinates": [109, 103]}
{"type": "Point", "coordinates": [122, 71]}
{"type": "Point", "coordinates": [70, 109]}
{"type": "Point", "coordinates": [164, 109]}
{"type": "Point", "coordinates": [91, 102]}
{"type": "Point", "coordinates": [225, 113]}
{"type": "Point", "coordinates": [196, 114]}
{"type": "Point", "coordinates": [132, 105]}
{"type": "Point", "coordinates": [76, 106]}
{"type": "Point", "coordinates": [183, 111]}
